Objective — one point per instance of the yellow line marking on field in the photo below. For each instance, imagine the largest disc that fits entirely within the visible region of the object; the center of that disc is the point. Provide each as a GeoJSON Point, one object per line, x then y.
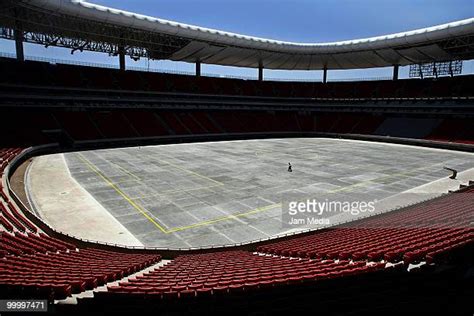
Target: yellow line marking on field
{"type": "Point", "coordinates": [263, 152]}
{"type": "Point", "coordinates": [144, 212]}
{"type": "Point", "coordinates": [128, 172]}
{"type": "Point", "coordinates": [127, 181]}
{"type": "Point", "coordinates": [192, 189]}
{"type": "Point", "coordinates": [161, 193]}
{"type": "Point", "coordinates": [223, 218]}
{"type": "Point", "coordinates": [190, 172]}
{"type": "Point", "coordinates": [121, 193]}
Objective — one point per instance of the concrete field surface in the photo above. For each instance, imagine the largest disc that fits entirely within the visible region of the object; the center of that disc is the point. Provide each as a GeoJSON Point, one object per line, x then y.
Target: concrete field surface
{"type": "Point", "coordinates": [214, 193]}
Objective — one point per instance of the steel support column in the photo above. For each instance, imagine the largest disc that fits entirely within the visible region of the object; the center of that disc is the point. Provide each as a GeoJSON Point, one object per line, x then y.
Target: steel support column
{"type": "Point", "coordinates": [20, 54]}
{"type": "Point", "coordinates": [122, 58]}
{"type": "Point", "coordinates": [18, 34]}
{"type": "Point", "coordinates": [198, 68]}
{"type": "Point", "coordinates": [395, 72]}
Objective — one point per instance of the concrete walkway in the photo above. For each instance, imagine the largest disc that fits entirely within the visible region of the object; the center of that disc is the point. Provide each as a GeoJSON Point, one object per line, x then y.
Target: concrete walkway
{"type": "Point", "coordinates": [62, 203]}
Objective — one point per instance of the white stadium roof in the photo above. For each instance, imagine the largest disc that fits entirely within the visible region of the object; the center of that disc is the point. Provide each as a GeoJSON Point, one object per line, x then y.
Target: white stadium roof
{"type": "Point", "coordinates": [193, 43]}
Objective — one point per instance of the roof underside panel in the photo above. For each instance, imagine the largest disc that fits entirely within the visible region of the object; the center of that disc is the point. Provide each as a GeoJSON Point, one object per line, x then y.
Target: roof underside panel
{"type": "Point", "coordinates": [189, 43]}
{"type": "Point", "coordinates": [276, 61]}
{"type": "Point", "coordinates": [228, 55]}
{"type": "Point", "coordinates": [192, 49]}
{"type": "Point", "coordinates": [433, 52]}
{"type": "Point", "coordinates": [391, 56]}
{"type": "Point", "coordinates": [415, 55]}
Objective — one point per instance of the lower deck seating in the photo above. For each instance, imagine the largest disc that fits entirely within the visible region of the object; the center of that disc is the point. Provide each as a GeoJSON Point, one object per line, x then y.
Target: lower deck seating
{"type": "Point", "coordinates": [10, 217]}
{"type": "Point", "coordinates": [417, 233]}
{"type": "Point", "coordinates": [20, 243]}
{"type": "Point", "coordinates": [234, 272]}
{"type": "Point", "coordinates": [35, 265]}
{"type": "Point", "coordinates": [454, 130]}
{"type": "Point", "coordinates": [58, 274]}
{"type": "Point", "coordinates": [6, 155]}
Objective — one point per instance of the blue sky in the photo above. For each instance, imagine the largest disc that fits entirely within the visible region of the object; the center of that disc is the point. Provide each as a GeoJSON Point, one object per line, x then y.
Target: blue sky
{"type": "Point", "coordinates": [291, 20]}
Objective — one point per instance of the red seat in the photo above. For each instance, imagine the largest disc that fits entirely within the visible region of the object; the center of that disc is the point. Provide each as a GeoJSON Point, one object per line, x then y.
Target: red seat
{"type": "Point", "coordinates": [204, 292]}
{"type": "Point", "coordinates": [187, 294]}
{"type": "Point", "coordinates": [171, 295]}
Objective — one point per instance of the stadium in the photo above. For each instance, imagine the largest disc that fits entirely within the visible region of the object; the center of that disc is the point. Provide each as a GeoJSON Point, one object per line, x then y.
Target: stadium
{"type": "Point", "coordinates": [134, 191]}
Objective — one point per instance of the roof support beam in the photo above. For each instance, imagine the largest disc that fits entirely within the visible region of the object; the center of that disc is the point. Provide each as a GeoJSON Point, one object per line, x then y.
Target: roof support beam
{"type": "Point", "coordinates": [325, 74]}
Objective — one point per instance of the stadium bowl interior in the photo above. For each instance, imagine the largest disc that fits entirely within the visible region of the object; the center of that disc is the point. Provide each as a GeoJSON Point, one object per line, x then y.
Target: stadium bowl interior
{"type": "Point", "coordinates": [133, 191]}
